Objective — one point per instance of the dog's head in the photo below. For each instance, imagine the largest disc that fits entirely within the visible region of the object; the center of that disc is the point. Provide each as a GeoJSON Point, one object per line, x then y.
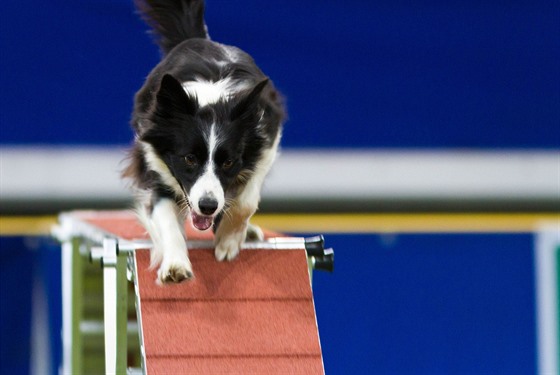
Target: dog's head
{"type": "Point", "coordinates": [203, 153]}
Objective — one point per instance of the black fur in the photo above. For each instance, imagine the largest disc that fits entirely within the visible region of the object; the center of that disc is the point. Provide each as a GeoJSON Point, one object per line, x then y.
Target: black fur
{"type": "Point", "coordinates": [173, 21]}
{"type": "Point", "coordinates": [174, 124]}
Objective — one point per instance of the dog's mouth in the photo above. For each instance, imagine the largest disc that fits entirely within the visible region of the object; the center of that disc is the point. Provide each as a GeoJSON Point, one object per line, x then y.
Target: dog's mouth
{"type": "Point", "coordinates": [201, 222]}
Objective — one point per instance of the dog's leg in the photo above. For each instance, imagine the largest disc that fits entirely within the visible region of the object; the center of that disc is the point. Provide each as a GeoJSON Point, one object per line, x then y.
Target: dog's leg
{"type": "Point", "coordinates": [232, 232]}
{"type": "Point", "coordinates": [170, 248]}
{"type": "Point", "coordinates": [234, 226]}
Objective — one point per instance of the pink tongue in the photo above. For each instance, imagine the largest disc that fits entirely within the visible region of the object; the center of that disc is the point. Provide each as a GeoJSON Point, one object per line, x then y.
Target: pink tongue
{"type": "Point", "coordinates": [201, 222]}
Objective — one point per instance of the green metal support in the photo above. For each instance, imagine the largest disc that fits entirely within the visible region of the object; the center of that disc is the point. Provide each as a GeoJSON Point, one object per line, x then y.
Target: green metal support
{"type": "Point", "coordinates": [557, 256]}
{"type": "Point", "coordinates": [77, 307]}
{"type": "Point", "coordinates": [122, 313]}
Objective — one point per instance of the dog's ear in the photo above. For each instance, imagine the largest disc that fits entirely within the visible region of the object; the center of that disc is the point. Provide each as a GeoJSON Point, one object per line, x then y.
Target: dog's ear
{"type": "Point", "coordinates": [172, 100]}
{"type": "Point", "coordinates": [249, 103]}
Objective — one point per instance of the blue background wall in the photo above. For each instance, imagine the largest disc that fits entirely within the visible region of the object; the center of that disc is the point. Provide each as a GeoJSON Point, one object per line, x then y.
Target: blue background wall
{"type": "Point", "coordinates": [28, 266]}
{"type": "Point", "coordinates": [428, 304]}
{"type": "Point", "coordinates": [474, 74]}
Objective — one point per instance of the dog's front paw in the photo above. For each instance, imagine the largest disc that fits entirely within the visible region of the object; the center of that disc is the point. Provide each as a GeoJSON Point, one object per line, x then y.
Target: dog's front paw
{"type": "Point", "coordinates": [174, 272]}
{"type": "Point", "coordinates": [228, 247]}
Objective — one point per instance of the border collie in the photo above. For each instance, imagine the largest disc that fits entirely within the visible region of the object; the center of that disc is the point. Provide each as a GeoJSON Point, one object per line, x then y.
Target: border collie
{"type": "Point", "coordinates": [207, 124]}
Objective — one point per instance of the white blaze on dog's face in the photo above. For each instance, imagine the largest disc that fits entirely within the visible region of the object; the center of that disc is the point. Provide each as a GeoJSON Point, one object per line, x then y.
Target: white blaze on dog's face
{"type": "Point", "coordinates": [208, 146]}
{"type": "Point", "coordinates": [207, 196]}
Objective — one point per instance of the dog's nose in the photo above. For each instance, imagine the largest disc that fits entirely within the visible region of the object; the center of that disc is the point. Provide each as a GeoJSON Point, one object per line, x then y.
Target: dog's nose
{"type": "Point", "coordinates": [207, 205]}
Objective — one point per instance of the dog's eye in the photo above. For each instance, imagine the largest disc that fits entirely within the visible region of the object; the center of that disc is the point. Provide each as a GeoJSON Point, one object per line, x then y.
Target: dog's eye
{"type": "Point", "coordinates": [191, 161]}
{"type": "Point", "coordinates": [227, 164]}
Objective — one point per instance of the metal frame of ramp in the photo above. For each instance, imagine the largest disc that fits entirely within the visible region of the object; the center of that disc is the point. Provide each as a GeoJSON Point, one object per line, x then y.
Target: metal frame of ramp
{"type": "Point", "coordinates": [252, 315]}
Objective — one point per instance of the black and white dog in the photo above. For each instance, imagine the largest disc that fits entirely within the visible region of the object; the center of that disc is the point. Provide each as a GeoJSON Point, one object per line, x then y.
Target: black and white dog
{"type": "Point", "coordinates": [207, 125]}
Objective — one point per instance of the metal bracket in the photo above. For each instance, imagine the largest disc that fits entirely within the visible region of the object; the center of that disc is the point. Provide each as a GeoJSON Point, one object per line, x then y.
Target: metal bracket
{"type": "Point", "coordinates": [319, 258]}
{"type": "Point", "coordinates": [115, 296]}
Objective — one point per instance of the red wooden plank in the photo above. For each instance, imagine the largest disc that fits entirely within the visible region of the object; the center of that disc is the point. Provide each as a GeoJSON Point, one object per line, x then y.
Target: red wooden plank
{"type": "Point", "coordinates": [123, 224]}
{"type": "Point", "coordinates": [230, 328]}
{"type": "Point", "coordinates": [307, 365]}
{"type": "Point", "coordinates": [255, 274]}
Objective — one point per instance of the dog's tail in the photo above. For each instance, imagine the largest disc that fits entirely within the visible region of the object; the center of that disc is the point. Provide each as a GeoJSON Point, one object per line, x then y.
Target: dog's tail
{"type": "Point", "coordinates": [173, 21]}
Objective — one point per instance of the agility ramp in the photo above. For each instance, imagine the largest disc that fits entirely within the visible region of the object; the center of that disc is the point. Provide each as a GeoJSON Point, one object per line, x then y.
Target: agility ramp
{"type": "Point", "coordinates": [252, 315]}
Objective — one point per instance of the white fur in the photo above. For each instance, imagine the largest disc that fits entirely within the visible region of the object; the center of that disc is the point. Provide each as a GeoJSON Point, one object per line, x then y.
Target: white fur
{"type": "Point", "coordinates": [208, 92]}
{"type": "Point", "coordinates": [208, 184]}
{"type": "Point", "coordinates": [170, 247]}
{"type": "Point", "coordinates": [164, 224]}
{"type": "Point", "coordinates": [157, 165]}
